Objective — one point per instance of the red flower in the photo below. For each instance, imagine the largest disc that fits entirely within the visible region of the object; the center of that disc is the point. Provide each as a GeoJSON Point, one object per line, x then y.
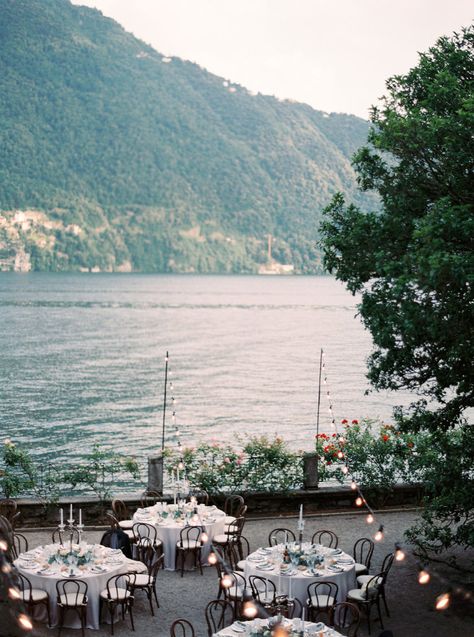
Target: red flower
{"type": "Point", "coordinates": [355, 422]}
{"type": "Point", "coordinates": [385, 437]}
{"type": "Point", "coordinates": [334, 435]}
{"type": "Point", "coordinates": [328, 462]}
{"type": "Point", "coordinates": [410, 444]}
{"type": "Point", "coordinates": [344, 421]}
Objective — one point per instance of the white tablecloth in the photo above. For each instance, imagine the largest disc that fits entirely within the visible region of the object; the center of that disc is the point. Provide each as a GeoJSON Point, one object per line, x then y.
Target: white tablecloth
{"type": "Point", "coordinates": [96, 582]}
{"type": "Point", "coordinates": [310, 628]}
{"type": "Point", "coordinates": [211, 519]}
{"type": "Point", "coordinates": [297, 584]}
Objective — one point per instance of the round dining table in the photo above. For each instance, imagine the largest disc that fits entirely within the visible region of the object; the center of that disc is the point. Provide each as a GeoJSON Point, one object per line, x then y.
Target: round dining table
{"type": "Point", "coordinates": [43, 570]}
{"type": "Point", "coordinates": [293, 581]}
{"type": "Point", "coordinates": [168, 526]}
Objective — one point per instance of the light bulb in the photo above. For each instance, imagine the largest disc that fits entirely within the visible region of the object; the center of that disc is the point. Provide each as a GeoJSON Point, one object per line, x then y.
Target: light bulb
{"type": "Point", "coordinates": [399, 554]}
{"type": "Point", "coordinates": [204, 537]}
{"type": "Point", "coordinates": [250, 610]}
{"type": "Point", "coordinates": [423, 577]}
{"type": "Point", "coordinates": [181, 465]}
{"type": "Point", "coordinates": [3, 545]}
{"type": "Point", "coordinates": [25, 621]}
{"type": "Point", "coordinates": [342, 439]}
{"type": "Point", "coordinates": [345, 469]}
{"type": "Point", "coordinates": [340, 455]}
{"type": "Point", "coordinates": [6, 568]}
{"type": "Point", "coordinates": [379, 535]}
{"type": "Point", "coordinates": [359, 502]}
{"type": "Point", "coordinates": [370, 518]}
{"type": "Point", "coordinates": [212, 558]}
{"type": "Point", "coordinates": [226, 581]}
{"type": "Point", "coordinates": [13, 593]}
{"type": "Point", "coordinates": [353, 485]}
{"type": "Point", "coordinates": [443, 601]}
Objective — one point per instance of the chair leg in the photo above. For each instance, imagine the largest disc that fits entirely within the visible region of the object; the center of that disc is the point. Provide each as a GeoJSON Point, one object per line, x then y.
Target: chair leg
{"type": "Point", "coordinates": [199, 560]}
{"type": "Point", "coordinates": [379, 611]}
{"type": "Point", "coordinates": [183, 554]}
{"type": "Point", "coordinates": [112, 613]}
{"type": "Point", "coordinates": [83, 620]}
{"type": "Point", "coordinates": [131, 616]}
{"type": "Point", "coordinates": [155, 594]}
{"type": "Point", "coordinates": [369, 608]}
{"type": "Point", "coordinates": [60, 619]}
{"type": "Point", "coordinates": [48, 613]}
{"type": "Point", "coordinates": [385, 602]}
{"type": "Point", "coordinates": [148, 593]}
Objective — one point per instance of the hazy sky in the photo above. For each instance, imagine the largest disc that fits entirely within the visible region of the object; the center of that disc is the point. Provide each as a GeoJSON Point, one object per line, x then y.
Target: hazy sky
{"type": "Point", "coordinates": [332, 54]}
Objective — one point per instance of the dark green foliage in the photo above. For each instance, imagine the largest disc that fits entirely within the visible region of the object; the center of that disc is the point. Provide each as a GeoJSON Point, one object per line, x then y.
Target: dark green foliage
{"type": "Point", "coordinates": [97, 131]}
{"type": "Point", "coordinates": [414, 262]}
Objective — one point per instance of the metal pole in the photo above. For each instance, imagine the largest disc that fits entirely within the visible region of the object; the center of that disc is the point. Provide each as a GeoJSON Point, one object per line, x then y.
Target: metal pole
{"type": "Point", "coordinates": [319, 390]}
{"type": "Point", "coordinates": [164, 404]}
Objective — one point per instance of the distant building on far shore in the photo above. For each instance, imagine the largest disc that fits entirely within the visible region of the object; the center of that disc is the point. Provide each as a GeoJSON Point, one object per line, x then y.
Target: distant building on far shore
{"type": "Point", "coordinates": [272, 266]}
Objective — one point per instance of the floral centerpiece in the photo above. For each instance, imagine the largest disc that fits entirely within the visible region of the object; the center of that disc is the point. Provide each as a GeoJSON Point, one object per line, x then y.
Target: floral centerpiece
{"type": "Point", "coordinates": [76, 553]}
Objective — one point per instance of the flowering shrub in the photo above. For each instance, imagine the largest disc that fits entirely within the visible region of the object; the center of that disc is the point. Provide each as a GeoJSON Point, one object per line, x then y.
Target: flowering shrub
{"type": "Point", "coordinates": [260, 465]}
{"type": "Point", "coordinates": [377, 459]}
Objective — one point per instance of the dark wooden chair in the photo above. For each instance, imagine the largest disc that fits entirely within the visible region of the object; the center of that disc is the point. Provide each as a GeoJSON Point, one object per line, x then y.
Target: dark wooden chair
{"type": "Point", "coordinates": [326, 538]}
{"type": "Point", "coordinates": [362, 553]}
{"type": "Point", "coordinates": [182, 628]}
{"type": "Point", "coordinates": [146, 582]}
{"type": "Point", "coordinates": [232, 505]}
{"type": "Point", "coordinates": [234, 587]}
{"type": "Point", "coordinates": [219, 614]}
{"type": "Point", "coordinates": [189, 543]}
{"type": "Point", "coordinates": [362, 580]}
{"type": "Point", "coordinates": [368, 596]}
{"type": "Point", "coordinates": [121, 513]}
{"type": "Point", "coordinates": [117, 594]}
{"type": "Point", "coordinates": [150, 498]}
{"type": "Point", "coordinates": [263, 590]}
{"type": "Point", "coordinates": [322, 597]}
{"type": "Point", "coordinates": [71, 595]}
{"type": "Point", "coordinates": [19, 544]}
{"type": "Point", "coordinates": [345, 619]}
{"type": "Point", "coordinates": [277, 536]}
{"type": "Point", "coordinates": [32, 596]}
{"type": "Point", "coordinates": [9, 510]}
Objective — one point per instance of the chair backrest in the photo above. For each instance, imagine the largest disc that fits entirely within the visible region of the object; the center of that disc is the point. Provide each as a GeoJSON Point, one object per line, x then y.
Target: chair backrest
{"type": "Point", "coordinates": [19, 544]}
{"type": "Point", "coordinates": [345, 618]}
{"type": "Point", "coordinates": [113, 520]}
{"type": "Point", "coordinates": [120, 509]}
{"type": "Point", "coordinates": [319, 590]}
{"type": "Point", "coordinates": [24, 585]}
{"type": "Point", "coordinates": [65, 536]}
{"type": "Point", "coordinates": [119, 582]}
{"type": "Point", "coordinates": [6, 527]}
{"type": "Point", "coordinates": [287, 607]}
{"type": "Point", "coordinates": [241, 511]}
{"type": "Point", "coordinates": [74, 590]}
{"type": "Point", "coordinates": [259, 585]}
{"type": "Point", "coordinates": [232, 504]}
{"type": "Point", "coordinates": [182, 628]}
{"type": "Point", "coordinates": [236, 580]}
{"type": "Point", "coordinates": [363, 551]}
{"type": "Point", "coordinates": [280, 535]}
{"type": "Point", "coordinates": [9, 510]}
{"type": "Point", "coordinates": [146, 552]}
{"type": "Point", "coordinates": [142, 530]}
{"type": "Point", "coordinates": [387, 564]}
{"type": "Point", "coordinates": [235, 529]}
{"type": "Point", "coordinates": [190, 536]}
{"type": "Point", "coordinates": [156, 566]}
{"type": "Point", "coordinates": [219, 614]}
{"type": "Point", "coordinates": [149, 498]}
{"type": "Point", "coordinates": [326, 538]}
{"type": "Point", "coordinates": [202, 496]}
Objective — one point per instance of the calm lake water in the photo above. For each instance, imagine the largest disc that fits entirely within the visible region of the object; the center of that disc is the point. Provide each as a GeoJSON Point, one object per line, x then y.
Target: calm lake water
{"type": "Point", "coordinates": [83, 359]}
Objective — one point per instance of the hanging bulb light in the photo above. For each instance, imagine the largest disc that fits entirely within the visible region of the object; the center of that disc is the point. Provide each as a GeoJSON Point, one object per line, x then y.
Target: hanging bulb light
{"type": "Point", "coordinates": [370, 518]}
{"type": "Point", "coordinates": [359, 501]}
{"type": "Point", "coordinates": [180, 465]}
{"type": "Point", "coordinates": [212, 558]}
{"type": "Point", "coordinates": [25, 622]}
{"type": "Point", "coordinates": [226, 581]}
{"type": "Point", "coordinates": [353, 485]}
{"type": "Point", "coordinates": [250, 610]}
{"type": "Point", "coordinates": [6, 568]}
{"type": "Point", "coordinates": [345, 469]}
{"type": "Point", "coordinates": [340, 455]}
{"type": "Point", "coordinates": [3, 545]}
{"type": "Point", "coordinates": [13, 593]}
{"type": "Point", "coordinates": [204, 537]}
{"type": "Point", "coordinates": [399, 553]}
{"type": "Point", "coordinates": [379, 535]}
{"type": "Point", "coordinates": [423, 577]}
{"type": "Point", "coordinates": [443, 601]}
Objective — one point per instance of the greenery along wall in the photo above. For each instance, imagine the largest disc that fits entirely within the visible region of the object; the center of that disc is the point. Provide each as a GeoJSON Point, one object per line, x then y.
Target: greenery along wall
{"type": "Point", "coordinates": [149, 164]}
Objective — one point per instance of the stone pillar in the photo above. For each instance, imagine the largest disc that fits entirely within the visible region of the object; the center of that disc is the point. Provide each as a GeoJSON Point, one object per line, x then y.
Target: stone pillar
{"type": "Point", "coordinates": [155, 473]}
{"type": "Point", "coordinates": [310, 470]}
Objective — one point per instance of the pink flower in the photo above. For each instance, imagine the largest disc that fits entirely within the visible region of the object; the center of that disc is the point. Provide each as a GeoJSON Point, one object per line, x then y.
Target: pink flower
{"type": "Point", "coordinates": [226, 459]}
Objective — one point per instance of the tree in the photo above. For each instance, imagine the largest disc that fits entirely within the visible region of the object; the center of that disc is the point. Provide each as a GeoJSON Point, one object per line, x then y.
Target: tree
{"type": "Point", "coordinates": [413, 261]}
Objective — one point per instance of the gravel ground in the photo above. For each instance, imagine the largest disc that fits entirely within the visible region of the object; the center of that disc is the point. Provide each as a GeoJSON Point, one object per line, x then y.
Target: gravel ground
{"type": "Point", "coordinates": [411, 605]}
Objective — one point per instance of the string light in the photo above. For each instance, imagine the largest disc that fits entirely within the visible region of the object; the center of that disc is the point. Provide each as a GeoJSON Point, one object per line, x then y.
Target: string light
{"type": "Point", "coordinates": [25, 622]}
{"type": "Point", "coordinates": [345, 469]}
{"type": "Point", "coordinates": [423, 577]}
{"type": "Point", "coordinates": [212, 558]}
{"type": "Point", "coordinates": [13, 593]}
{"type": "Point", "coordinates": [353, 485]}
{"type": "Point", "coordinates": [359, 501]}
{"type": "Point", "coordinates": [3, 545]}
{"type": "Point", "coordinates": [226, 581]}
{"type": "Point", "coordinates": [204, 537]}
{"type": "Point", "coordinates": [379, 535]}
{"type": "Point", "coordinates": [443, 601]}
{"type": "Point", "coordinates": [250, 610]}
{"type": "Point", "coordinates": [399, 553]}
{"type": "Point", "coordinates": [370, 518]}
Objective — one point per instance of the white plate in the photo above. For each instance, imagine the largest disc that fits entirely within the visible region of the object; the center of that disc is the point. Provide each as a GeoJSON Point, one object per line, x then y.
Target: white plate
{"type": "Point", "coordinates": [238, 628]}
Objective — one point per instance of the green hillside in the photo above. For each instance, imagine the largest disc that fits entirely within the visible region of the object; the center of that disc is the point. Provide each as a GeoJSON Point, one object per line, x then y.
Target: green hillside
{"type": "Point", "coordinates": [130, 160]}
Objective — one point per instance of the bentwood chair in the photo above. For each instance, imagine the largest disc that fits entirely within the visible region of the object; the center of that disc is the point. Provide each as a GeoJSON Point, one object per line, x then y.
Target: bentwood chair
{"type": "Point", "coordinates": [9, 510]}
{"type": "Point", "coordinates": [117, 594]}
{"type": "Point", "coordinates": [65, 536]}
{"type": "Point", "coordinates": [326, 538]}
{"type": "Point", "coordinates": [189, 543]}
{"type": "Point", "coordinates": [280, 535]}
{"type": "Point", "coordinates": [245, 552]}
{"type": "Point", "coordinates": [234, 587]}
{"type": "Point", "coordinates": [71, 595]}
{"type": "Point", "coordinates": [182, 628]}
{"type": "Point", "coordinates": [345, 619]}
{"type": "Point", "coordinates": [149, 498]}
{"type": "Point", "coordinates": [232, 507]}
{"type": "Point", "coordinates": [263, 590]}
{"type": "Point", "coordinates": [32, 596]}
{"type": "Point", "coordinates": [143, 532]}
{"type": "Point", "coordinates": [363, 580]}
{"type": "Point", "coordinates": [146, 582]}
{"type": "Point", "coordinates": [19, 544]}
{"type": "Point", "coordinates": [120, 511]}
{"type": "Point", "coordinates": [368, 596]}
{"type": "Point", "coordinates": [219, 614]}
{"type": "Point", "coordinates": [362, 553]}
{"type": "Point", "coordinates": [230, 540]}
{"type": "Point", "coordinates": [322, 598]}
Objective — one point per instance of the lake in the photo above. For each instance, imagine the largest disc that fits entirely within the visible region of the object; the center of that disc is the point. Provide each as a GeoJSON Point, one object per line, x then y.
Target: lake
{"type": "Point", "coordinates": [83, 359]}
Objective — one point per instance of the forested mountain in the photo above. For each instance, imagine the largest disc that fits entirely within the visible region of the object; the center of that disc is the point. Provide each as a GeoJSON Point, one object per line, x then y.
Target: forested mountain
{"type": "Point", "coordinates": [120, 158]}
